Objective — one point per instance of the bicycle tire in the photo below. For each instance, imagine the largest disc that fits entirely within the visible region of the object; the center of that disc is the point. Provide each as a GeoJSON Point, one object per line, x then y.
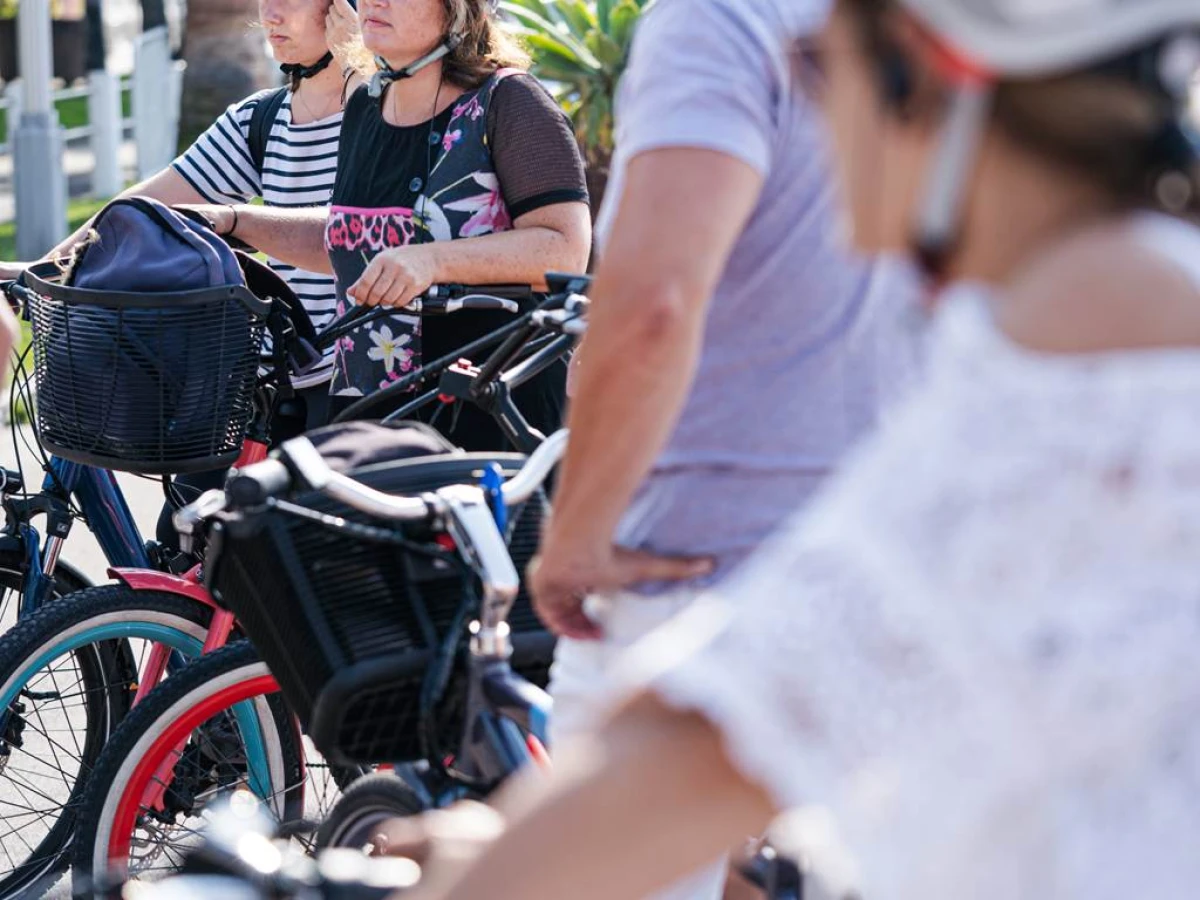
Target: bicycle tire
{"type": "Point", "coordinates": [82, 628]}
{"type": "Point", "coordinates": [368, 802]}
{"type": "Point", "coordinates": [148, 738]}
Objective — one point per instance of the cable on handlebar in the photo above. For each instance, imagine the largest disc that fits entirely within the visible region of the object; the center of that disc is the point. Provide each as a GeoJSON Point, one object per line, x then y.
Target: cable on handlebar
{"type": "Point", "coordinates": [373, 533]}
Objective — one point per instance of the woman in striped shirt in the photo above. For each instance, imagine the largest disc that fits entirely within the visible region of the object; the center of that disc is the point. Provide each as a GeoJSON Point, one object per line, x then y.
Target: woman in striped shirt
{"type": "Point", "coordinates": [297, 170]}
{"type": "Point", "coordinates": [299, 162]}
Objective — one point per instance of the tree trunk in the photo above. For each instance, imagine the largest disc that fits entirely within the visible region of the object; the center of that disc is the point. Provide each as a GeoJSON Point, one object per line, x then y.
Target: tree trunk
{"type": "Point", "coordinates": [226, 61]}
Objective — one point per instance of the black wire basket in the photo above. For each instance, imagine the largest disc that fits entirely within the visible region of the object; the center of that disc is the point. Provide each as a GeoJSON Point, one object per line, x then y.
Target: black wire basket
{"type": "Point", "coordinates": [351, 627]}
{"type": "Point", "coordinates": [154, 383]}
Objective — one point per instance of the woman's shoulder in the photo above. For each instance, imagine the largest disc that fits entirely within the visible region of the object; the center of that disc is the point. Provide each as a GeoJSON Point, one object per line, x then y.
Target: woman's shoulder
{"type": "Point", "coordinates": [518, 96]}
{"type": "Point", "coordinates": [519, 88]}
{"type": "Point", "coordinates": [1126, 285]}
{"type": "Point", "coordinates": [358, 99]}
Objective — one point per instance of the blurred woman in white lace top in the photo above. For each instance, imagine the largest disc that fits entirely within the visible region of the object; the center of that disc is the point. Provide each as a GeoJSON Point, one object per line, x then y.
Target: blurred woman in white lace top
{"type": "Point", "coordinates": [977, 656]}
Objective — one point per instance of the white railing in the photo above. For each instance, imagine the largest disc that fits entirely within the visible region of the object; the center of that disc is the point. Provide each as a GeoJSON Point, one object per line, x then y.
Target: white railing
{"type": "Point", "coordinates": [10, 102]}
{"type": "Point", "coordinates": [154, 133]}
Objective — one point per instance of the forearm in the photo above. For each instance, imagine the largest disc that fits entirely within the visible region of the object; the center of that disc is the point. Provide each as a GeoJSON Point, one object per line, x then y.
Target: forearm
{"type": "Point", "coordinates": [167, 186]}
{"type": "Point", "coordinates": [655, 799]}
{"type": "Point", "coordinates": [629, 391]}
{"type": "Point", "coordinates": [294, 236]}
{"type": "Point", "coordinates": [519, 256]}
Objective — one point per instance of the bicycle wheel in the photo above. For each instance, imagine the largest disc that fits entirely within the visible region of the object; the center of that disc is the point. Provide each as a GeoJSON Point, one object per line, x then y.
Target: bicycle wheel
{"type": "Point", "coordinates": [367, 804]}
{"type": "Point", "coordinates": [67, 677]}
{"type": "Point", "coordinates": [67, 580]}
{"type": "Point", "coordinates": [217, 726]}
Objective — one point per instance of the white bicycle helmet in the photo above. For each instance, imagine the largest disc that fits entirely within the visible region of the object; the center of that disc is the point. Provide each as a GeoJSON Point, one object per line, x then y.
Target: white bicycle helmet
{"type": "Point", "coordinates": [986, 41]}
{"type": "Point", "coordinates": [1031, 38]}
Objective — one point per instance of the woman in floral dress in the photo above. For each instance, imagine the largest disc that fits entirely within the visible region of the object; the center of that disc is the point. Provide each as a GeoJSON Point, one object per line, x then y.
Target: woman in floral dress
{"type": "Point", "coordinates": [456, 167]}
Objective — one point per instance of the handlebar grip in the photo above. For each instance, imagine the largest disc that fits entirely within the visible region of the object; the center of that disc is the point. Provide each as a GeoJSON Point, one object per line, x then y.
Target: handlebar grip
{"type": "Point", "coordinates": [504, 291]}
{"type": "Point", "coordinates": [18, 292]}
{"type": "Point", "coordinates": [254, 485]}
{"type": "Point", "coordinates": [433, 305]}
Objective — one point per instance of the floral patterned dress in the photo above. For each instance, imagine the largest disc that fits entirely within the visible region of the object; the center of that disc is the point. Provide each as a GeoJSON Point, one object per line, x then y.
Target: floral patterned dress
{"type": "Point", "coordinates": [412, 184]}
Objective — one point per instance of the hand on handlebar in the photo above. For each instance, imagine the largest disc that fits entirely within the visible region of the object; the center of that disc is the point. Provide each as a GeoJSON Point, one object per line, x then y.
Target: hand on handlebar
{"type": "Point", "coordinates": [396, 277]}
{"type": "Point", "coordinates": [442, 836]}
{"type": "Point", "coordinates": [10, 329]}
{"type": "Point", "coordinates": [11, 271]}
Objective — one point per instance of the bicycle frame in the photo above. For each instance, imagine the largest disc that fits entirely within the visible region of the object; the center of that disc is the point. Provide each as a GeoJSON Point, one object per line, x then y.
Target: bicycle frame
{"type": "Point", "coordinates": [107, 513]}
{"type": "Point", "coordinates": [111, 521]}
{"type": "Point", "coordinates": [190, 585]}
{"type": "Point", "coordinates": [506, 724]}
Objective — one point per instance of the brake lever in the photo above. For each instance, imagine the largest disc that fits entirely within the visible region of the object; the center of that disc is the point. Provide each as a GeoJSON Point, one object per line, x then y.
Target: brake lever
{"type": "Point", "coordinates": [199, 510]}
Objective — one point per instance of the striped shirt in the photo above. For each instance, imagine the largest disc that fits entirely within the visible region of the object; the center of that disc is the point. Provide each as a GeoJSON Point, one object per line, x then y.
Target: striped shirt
{"type": "Point", "coordinates": [298, 171]}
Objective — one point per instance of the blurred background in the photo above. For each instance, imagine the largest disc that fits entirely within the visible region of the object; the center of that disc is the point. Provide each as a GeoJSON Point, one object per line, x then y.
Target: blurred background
{"type": "Point", "coordinates": [134, 81]}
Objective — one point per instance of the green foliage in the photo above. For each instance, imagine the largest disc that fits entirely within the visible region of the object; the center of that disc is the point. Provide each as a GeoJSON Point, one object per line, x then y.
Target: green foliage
{"type": "Point", "coordinates": [8, 9]}
{"type": "Point", "coordinates": [580, 48]}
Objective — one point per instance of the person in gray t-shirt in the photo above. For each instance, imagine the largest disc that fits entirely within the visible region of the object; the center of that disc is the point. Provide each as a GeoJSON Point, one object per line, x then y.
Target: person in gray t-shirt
{"type": "Point", "coordinates": [735, 349]}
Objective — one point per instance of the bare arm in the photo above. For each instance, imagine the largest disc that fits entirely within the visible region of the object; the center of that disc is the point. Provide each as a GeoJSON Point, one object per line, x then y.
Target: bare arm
{"type": "Point", "coordinates": [295, 236]}
{"type": "Point", "coordinates": [669, 245]}
{"type": "Point", "coordinates": [553, 238]}
{"type": "Point", "coordinates": [654, 799]}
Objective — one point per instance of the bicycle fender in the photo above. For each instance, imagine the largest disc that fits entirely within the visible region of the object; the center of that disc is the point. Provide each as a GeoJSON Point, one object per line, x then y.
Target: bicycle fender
{"type": "Point", "coordinates": [164, 582]}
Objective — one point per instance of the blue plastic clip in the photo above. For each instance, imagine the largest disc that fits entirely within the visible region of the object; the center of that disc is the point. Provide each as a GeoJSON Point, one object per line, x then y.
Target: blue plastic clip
{"type": "Point", "coordinates": [492, 483]}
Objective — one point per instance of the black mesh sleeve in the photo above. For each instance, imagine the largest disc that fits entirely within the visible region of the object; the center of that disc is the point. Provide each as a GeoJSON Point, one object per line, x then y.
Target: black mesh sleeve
{"type": "Point", "coordinates": [533, 148]}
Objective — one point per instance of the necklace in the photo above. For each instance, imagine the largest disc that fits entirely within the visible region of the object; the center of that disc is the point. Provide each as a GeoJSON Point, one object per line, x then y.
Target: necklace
{"type": "Point", "coordinates": [326, 111]}
{"type": "Point", "coordinates": [394, 98]}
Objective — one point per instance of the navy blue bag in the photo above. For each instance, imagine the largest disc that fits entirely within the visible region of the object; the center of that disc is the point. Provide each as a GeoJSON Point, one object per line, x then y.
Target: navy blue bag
{"type": "Point", "coordinates": [147, 345]}
{"type": "Point", "coordinates": [143, 246]}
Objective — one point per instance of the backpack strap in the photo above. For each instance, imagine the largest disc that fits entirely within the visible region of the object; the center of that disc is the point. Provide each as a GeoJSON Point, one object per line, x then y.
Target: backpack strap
{"type": "Point", "coordinates": [261, 119]}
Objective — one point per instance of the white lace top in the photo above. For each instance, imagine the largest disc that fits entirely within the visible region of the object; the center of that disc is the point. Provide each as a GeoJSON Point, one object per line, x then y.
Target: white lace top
{"type": "Point", "coordinates": [981, 649]}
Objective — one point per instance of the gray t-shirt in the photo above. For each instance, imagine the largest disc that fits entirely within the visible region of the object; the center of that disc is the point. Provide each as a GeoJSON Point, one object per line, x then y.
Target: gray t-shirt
{"type": "Point", "coordinates": [804, 343]}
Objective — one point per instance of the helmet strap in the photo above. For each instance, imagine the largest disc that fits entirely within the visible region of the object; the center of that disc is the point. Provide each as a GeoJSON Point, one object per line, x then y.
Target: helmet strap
{"type": "Point", "coordinates": [297, 73]}
{"type": "Point", "coordinates": [936, 230]}
{"type": "Point", "coordinates": [386, 75]}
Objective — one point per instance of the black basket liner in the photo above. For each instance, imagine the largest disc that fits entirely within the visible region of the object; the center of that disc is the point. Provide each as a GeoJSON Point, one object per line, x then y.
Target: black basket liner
{"type": "Point", "coordinates": [333, 617]}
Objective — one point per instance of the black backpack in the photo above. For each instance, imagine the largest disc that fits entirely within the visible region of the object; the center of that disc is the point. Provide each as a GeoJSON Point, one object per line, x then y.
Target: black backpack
{"type": "Point", "coordinates": [263, 116]}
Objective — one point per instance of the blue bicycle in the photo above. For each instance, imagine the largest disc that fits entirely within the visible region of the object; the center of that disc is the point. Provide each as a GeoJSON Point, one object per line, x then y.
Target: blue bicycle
{"type": "Point", "coordinates": [52, 726]}
{"type": "Point", "coordinates": [66, 681]}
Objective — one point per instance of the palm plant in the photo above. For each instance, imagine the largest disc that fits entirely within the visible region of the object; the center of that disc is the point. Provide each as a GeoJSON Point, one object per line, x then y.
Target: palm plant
{"type": "Point", "coordinates": [580, 48]}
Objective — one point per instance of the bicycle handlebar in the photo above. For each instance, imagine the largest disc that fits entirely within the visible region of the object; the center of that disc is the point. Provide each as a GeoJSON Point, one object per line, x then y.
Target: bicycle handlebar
{"type": "Point", "coordinates": [570, 319]}
{"type": "Point", "coordinates": [440, 299]}
{"type": "Point", "coordinates": [301, 466]}
{"type": "Point", "coordinates": [240, 857]}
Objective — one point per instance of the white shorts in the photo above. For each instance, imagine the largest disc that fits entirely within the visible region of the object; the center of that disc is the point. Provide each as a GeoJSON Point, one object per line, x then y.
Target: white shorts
{"type": "Point", "coordinates": [584, 686]}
